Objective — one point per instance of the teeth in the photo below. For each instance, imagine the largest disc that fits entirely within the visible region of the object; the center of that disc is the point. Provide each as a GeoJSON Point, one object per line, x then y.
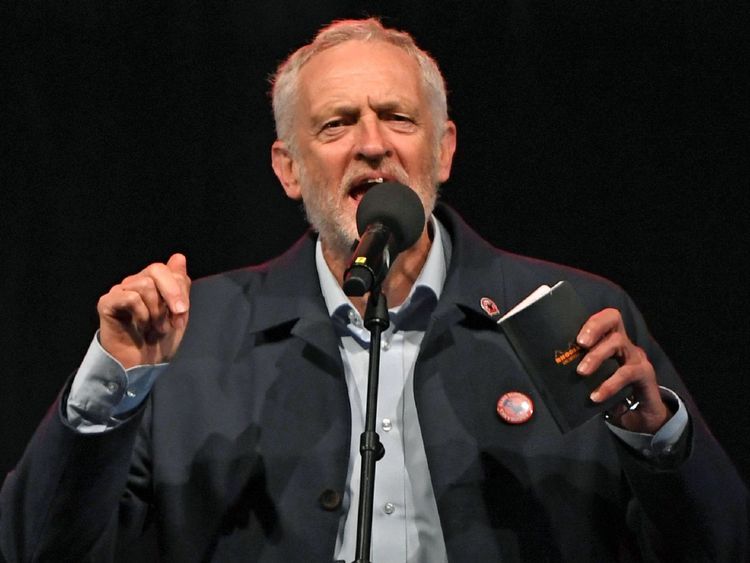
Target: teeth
{"type": "Point", "coordinates": [365, 185]}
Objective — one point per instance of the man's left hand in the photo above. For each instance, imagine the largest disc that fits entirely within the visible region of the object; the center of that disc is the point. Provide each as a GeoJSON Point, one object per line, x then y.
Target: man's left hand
{"type": "Point", "coordinates": [605, 337]}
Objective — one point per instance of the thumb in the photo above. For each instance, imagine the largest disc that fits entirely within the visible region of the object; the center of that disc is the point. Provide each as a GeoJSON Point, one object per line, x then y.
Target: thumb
{"type": "Point", "coordinates": [177, 263]}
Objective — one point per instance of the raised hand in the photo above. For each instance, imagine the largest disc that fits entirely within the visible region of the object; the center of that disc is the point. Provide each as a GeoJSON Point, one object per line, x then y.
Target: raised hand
{"type": "Point", "coordinates": [143, 318]}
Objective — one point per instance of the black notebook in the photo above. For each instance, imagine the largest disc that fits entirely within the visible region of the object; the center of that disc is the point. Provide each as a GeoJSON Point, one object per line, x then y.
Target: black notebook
{"type": "Point", "coordinates": [542, 330]}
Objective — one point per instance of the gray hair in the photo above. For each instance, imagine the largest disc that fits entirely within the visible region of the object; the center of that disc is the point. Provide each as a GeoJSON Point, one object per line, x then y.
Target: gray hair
{"type": "Point", "coordinates": [285, 81]}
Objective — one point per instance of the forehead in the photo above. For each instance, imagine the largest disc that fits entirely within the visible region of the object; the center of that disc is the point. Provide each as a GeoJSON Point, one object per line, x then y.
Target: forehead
{"type": "Point", "coordinates": [357, 69]}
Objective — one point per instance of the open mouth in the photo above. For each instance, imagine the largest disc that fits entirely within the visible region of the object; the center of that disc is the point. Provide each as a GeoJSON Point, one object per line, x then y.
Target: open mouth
{"type": "Point", "coordinates": [358, 190]}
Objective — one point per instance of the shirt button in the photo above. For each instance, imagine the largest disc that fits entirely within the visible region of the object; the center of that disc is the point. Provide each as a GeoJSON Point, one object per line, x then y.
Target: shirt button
{"type": "Point", "coordinates": [646, 453]}
{"type": "Point", "coordinates": [112, 386]}
{"type": "Point", "coordinates": [130, 393]}
{"type": "Point", "coordinates": [386, 345]}
{"type": "Point", "coordinates": [389, 508]}
{"type": "Point", "coordinates": [386, 424]}
{"type": "Point", "coordinates": [354, 318]}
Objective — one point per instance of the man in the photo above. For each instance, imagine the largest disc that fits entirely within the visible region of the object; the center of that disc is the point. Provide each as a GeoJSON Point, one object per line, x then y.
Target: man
{"type": "Point", "coordinates": [245, 446]}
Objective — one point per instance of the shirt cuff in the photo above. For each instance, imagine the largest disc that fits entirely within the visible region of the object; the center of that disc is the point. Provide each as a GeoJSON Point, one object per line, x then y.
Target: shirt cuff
{"type": "Point", "coordinates": [103, 392]}
{"type": "Point", "coordinates": [662, 444]}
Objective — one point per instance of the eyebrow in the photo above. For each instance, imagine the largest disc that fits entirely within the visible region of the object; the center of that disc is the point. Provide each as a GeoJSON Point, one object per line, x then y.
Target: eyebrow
{"type": "Point", "coordinates": [347, 110]}
{"type": "Point", "coordinates": [333, 110]}
{"type": "Point", "coordinates": [397, 105]}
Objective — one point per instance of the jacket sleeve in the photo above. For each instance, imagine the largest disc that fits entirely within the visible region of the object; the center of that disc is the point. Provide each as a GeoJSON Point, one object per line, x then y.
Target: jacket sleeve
{"type": "Point", "coordinates": [694, 506]}
{"type": "Point", "coordinates": [71, 493]}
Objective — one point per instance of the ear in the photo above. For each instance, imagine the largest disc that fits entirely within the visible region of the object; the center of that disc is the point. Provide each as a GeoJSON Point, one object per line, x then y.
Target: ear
{"type": "Point", "coordinates": [285, 168]}
{"type": "Point", "coordinates": [447, 150]}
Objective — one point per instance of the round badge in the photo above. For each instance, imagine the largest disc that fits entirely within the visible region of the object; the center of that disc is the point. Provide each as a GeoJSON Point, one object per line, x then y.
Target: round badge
{"type": "Point", "coordinates": [515, 407]}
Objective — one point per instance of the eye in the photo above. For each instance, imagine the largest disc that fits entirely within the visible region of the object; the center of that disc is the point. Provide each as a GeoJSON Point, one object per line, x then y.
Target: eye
{"type": "Point", "coordinates": [401, 122]}
{"type": "Point", "coordinates": [401, 118]}
{"type": "Point", "coordinates": [333, 124]}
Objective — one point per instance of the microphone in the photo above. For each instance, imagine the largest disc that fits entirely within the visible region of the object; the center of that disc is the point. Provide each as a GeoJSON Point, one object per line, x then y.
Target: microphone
{"type": "Point", "coordinates": [390, 219]}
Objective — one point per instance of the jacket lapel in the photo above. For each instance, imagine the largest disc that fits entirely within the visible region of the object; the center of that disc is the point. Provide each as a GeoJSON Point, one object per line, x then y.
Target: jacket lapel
{"type": "Point", "coordinates": [289, 300]}
{"type": "Point", "coordinates": [464, 363]}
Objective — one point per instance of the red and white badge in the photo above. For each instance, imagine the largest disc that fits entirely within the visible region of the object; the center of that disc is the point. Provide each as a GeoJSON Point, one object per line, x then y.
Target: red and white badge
{"type": "Point", "coordinates": [489, 307]}
{"type": "Point", "coordinates": [515, 407]}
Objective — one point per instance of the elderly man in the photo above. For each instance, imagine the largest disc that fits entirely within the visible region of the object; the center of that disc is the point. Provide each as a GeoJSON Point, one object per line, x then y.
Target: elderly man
{"type": "Point", "coordinates": [225, 417]}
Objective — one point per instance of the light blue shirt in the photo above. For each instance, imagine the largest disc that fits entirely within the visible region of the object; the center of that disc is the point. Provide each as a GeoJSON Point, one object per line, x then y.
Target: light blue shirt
{"type": "Point", "coordinates": [406, 525]}
{"type": "Point", "coordinates": [103, 393]}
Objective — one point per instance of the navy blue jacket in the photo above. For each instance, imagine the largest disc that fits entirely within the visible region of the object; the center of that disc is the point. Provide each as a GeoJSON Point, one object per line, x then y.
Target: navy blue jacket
{"type": "Point", "coordinates": [241, 451]}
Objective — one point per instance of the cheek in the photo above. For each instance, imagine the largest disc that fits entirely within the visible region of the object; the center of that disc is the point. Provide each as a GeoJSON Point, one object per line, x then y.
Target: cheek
{"type": "Point", "coordinates": [332, 155]}
{"type": "Point", "coordinates": [419, 155]}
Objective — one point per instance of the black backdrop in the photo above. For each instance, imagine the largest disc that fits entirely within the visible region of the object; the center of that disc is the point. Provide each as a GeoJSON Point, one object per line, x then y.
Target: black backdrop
{"type": "Point", "coordinates": [611, 136]}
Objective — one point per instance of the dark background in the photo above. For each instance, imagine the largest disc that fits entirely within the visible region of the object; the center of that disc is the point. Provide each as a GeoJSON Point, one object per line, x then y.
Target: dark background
{"type": "Point", "coordinates": [611, 136]}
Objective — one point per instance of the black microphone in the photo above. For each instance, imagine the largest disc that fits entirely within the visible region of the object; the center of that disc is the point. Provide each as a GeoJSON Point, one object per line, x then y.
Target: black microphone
{"type": "Point", "coordinates": [390, 219]}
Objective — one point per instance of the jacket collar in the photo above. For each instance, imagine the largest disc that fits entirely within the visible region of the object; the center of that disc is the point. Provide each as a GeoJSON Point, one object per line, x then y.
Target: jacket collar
{"type": "Point", "coordinates": [288, 297]}
{"type": "Point", "coordinates": [475, 273]}
{"type": "Point", "coordinates": [289, 292]}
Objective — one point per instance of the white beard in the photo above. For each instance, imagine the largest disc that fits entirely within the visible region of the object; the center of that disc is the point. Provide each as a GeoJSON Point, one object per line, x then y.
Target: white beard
{"type": "Point", "coordinates": [326, 214]}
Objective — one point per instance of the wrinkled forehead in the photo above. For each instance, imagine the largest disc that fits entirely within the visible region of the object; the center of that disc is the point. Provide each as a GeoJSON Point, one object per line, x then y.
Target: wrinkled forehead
{"type": "Point", "coordinates": [355, 66]}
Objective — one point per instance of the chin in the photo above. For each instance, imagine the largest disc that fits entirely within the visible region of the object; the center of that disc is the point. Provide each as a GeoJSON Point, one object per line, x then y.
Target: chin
{"type": "Point", "coordinates": [335, 237]}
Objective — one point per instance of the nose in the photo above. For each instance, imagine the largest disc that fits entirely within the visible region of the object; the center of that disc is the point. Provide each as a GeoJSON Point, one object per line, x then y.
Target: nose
{"type": "Point", "coordinates": [372, 144]}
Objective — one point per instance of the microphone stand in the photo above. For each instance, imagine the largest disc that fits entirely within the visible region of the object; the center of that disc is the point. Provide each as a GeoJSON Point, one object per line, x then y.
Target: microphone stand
{"type": "Point", "coordinates": [370, 448]}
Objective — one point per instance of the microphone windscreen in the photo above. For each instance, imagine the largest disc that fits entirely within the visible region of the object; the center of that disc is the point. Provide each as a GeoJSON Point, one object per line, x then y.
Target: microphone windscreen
{"type": "Point", "coordinates": [395, 206]}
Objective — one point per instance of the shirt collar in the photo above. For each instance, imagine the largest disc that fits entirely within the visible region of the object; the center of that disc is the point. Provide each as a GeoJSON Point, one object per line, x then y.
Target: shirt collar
{"type": "Point", "coordinates": [429, 283]}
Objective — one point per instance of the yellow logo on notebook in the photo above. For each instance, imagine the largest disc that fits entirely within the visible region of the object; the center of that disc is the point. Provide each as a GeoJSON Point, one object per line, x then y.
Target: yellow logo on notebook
{"type": "Point", "coordinates": [567, 356]}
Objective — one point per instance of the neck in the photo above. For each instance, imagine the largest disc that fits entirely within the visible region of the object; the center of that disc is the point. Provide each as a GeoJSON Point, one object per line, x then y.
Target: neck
{"type": "Point", "coordinates": [401, 276]}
